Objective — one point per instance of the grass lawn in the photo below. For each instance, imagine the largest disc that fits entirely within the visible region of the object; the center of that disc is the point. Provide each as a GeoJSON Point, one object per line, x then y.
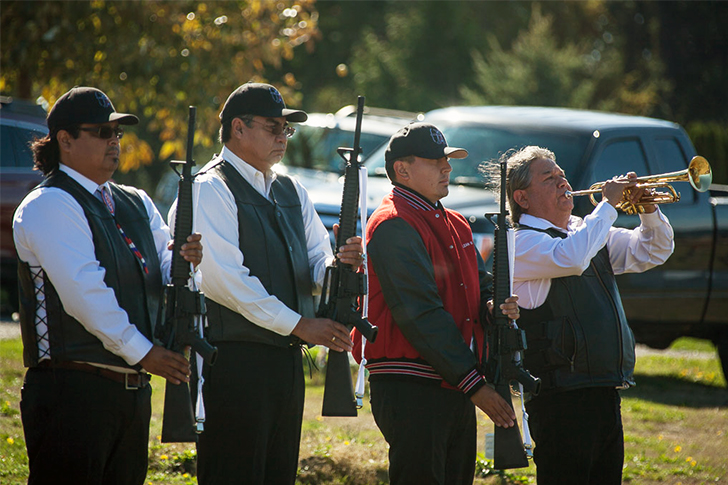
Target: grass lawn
{"type": "Point", "coordinates": [676, 429]}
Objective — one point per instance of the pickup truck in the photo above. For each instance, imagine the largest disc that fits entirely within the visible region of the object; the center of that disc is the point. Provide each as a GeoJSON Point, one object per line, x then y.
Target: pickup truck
{"type": "Point", "coordinates": [21, 121]}
{"type": "Point", "coordinates": [688, 295]}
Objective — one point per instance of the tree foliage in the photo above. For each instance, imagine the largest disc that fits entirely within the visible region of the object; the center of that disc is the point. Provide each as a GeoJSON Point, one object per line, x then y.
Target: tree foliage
{"type": "Point", "coordinates": [541, 71]}
{"type": "Point", "coordinates": [153, 59]}
{"type": "Point", "coordinates": [663, 58]}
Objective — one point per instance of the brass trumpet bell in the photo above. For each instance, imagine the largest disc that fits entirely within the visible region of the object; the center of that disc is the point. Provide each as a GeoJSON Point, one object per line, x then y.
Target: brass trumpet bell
{"type": "Point", "coordinates": [698, 173]}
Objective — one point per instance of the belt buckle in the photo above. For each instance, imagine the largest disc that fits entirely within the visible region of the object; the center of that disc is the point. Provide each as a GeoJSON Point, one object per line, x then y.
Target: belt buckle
{"type": "Point", "coordinates": [132, 387]}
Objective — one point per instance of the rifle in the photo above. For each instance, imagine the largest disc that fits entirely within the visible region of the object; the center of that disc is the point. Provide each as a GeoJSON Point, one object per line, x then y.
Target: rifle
{"type": "Point", "coordinates": [344, 289]}
{"type": "Point", "coordinates": [184, 309]}
{"type": "Point", "coordinates": [504, 344]}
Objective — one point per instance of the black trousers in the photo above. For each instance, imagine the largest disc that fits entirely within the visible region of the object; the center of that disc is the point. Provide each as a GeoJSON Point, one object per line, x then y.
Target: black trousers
{"type": "Point", "coordinates": [578, 436]}
{"type": "Point", "coordinates": [254, 397]}
{"type": "Point", "coordinates": [84, 429]}
{"type": "Point", "coordinates": [431, 432]}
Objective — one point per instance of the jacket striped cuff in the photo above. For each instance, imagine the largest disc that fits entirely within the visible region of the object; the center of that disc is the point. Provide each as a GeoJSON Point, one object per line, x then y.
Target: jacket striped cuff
{"type": "Point", "coordinates": [403, 368]}
{"type": "Point", "coordinates": [468, 385]}
{"type": "Point", "coordinates": [471, 383]}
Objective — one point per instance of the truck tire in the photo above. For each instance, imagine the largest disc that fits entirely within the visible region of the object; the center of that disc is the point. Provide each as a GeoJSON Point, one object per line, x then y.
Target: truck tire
{"type": "Point", "coordinates": [721, 343]}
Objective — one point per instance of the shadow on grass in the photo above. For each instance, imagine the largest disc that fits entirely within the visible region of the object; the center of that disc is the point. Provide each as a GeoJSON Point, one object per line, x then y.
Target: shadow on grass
{"type": "Point", "coordinates": [323, 469]}
{"type": "Point", "coordinates": [675, 391]}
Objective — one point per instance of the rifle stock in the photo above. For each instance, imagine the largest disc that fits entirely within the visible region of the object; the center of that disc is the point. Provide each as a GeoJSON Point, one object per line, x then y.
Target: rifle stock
{"type": "Point", "coordinates": [183, 312]}
{"type": "Point", "coordinates": [508, 450]}
{"type": "Point", "coordinates": [339, 399]}
{"type": "Point", "coordinates": [504, 342]}
{"type": "Point", "coordinates": [343, 289]}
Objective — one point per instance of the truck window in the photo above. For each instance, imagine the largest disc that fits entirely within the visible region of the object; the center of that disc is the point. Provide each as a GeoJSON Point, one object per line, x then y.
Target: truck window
{"type": "Point", "coordinates": [15, 146]}
{"type": "Point", "coordinates": [619, 157]}
{"type": "Point", "coordinates": [671, 158]}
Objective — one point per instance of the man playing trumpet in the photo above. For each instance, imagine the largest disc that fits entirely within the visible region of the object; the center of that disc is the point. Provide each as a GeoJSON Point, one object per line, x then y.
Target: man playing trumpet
{"type": "Point", "coordinates": [579, 342]}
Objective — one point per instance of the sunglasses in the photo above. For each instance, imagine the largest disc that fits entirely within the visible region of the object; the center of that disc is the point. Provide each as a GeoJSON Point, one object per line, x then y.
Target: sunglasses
{"type": "Point", "coordinates": [105, 132]}
{"type": "Point", "coordinates": [277, 129]}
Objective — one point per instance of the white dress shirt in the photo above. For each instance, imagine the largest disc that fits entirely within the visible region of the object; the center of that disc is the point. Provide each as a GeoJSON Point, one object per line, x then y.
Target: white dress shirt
{"type": "Point", "coordinates": [227, 280]}
{"type": "Point", "coordinates": [51, 232]}
{"type": "Point", "coordinates": [540, 257]}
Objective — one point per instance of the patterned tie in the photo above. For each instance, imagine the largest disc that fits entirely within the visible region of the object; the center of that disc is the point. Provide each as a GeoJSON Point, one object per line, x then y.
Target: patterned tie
{"type": "Point", "coordinates": [106, 197]}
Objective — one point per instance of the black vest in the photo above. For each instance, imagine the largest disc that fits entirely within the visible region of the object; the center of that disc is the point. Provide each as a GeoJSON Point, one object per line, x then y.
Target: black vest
{"type": "Point", "coordinates": [580, 337]}
{"type": "Point", "coordinates": [137, 293]}
{"type": "Point", "coordinates": [272, 237]}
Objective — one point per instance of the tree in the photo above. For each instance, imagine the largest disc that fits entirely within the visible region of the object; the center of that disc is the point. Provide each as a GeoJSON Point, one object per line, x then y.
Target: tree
{"type": "Point", "coordinates": [153, 59]}
{"type": "Point", "coordinates": [541, 71]}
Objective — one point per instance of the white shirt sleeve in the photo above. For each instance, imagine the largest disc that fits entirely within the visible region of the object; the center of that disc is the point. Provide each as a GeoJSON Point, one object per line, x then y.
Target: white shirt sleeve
{"type": "Point", "coordinates": [648, 245]}
{"type": "Point", "coordinates": [226, 278]}
{"type": "Point", "coordinates": [539, 257]}
{"type": "Point", "coordinates": [51, 231]}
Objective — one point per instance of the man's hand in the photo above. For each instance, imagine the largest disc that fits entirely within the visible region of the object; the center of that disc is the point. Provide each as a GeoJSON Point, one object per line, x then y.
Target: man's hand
{"type": "Point", "coordinates": [492, 404]}
{"type": "Point", "coordinates": [324, 331]}
{"type": "Point", "coordinates": [351, 252]}
{"type": "Point", "coordinates": [191, 251]}
{"type": "Point", "coordinates": [636, 194]}
{"type": "Point", "coordinates": [509, 307]}
{"type": "Point", "coordinates": [613, 189]}
{"type": "Point", "coordinates": [171, 365]}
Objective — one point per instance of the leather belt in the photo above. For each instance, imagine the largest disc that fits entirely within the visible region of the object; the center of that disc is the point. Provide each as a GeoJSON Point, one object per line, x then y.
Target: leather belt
{"type": "Point", "coordinates": [131, 381]}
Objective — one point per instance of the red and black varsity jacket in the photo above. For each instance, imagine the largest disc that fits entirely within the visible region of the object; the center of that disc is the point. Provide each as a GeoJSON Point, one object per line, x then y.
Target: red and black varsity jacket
{"type": "Point", "coordinates": [425, 294]}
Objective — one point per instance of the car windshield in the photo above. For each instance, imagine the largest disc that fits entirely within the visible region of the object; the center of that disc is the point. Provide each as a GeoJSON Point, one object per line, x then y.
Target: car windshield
{"type": "Point", "coordinates": [315, 147]}
{"type": "Point", "coordinates": [485, 144]}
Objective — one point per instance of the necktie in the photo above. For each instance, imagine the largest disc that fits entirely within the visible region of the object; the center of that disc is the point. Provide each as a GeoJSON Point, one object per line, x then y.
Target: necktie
{"type": "Point", "coordinates": [109, 202]}
{"type": "Point", "coordinates": [106, 198]}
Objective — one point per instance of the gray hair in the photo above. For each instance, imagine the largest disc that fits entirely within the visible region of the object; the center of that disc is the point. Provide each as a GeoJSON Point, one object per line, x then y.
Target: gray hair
{"type": "Point", "coordinates": [518, 176]}
{"type": "Point", "coordinates": [226, 127]}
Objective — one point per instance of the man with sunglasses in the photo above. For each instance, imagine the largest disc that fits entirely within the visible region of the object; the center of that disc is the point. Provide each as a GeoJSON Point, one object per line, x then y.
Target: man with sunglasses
{"type": "Point", "coordinates": [93, 256]}
{"type": "Point", "coordinates": [266, 254]}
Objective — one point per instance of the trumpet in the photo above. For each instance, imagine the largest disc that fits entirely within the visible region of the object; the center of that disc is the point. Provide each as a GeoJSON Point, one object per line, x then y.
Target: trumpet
{"type": "Point", "coordinates": [698, 173]}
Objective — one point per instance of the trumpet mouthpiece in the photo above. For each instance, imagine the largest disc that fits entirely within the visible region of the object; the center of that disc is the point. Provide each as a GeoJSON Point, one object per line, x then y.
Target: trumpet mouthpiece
{"type": "Point", "coordinates": [567, 194]}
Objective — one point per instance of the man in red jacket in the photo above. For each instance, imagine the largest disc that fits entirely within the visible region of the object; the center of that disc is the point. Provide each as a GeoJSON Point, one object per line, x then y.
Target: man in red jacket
{"type": "Point", "coordinates": [428, 294]}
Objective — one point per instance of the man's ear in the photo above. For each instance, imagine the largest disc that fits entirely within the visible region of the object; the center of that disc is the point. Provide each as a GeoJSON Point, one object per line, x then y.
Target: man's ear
{"type": "Point", "coordinates": [520, 197]}
{"type": "Point", "coordinates": [236, 127]}
{"type": "Point", "coordinates": [401, 169]}
{"type": "Point", "coordinates": [64, 140]}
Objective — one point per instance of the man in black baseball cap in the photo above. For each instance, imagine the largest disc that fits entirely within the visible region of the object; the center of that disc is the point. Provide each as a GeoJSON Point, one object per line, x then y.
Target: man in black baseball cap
{"type": "Point", "coordinates": [266, 252]}
{"type": "Point", "coordinates": [428, 294]}
{"type": "Point", "coordinates": [93, 257]}
{"type": "Point", "coordinates": [261, 100]}
{"type": "Point", "coordinates": [423, 140]}
{"type": "Point", "coordinates": [82, 109]}
{"type": "Point", "coordinates": [85, 105]}
{"type": "Point", "coordinates": [426, 142]}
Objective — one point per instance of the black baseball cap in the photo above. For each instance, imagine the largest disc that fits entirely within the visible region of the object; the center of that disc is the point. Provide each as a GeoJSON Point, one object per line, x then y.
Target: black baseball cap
{"type": "Point", "coordinates": [85, 105]}
{"type": "Point", "coordinates": [422, 140]}
{"type": "Point", "coordinates": [260, 100]}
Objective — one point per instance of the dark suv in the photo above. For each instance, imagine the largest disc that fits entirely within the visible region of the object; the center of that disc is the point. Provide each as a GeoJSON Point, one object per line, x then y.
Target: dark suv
{"type": "Point", "coordinates": [20, 122]}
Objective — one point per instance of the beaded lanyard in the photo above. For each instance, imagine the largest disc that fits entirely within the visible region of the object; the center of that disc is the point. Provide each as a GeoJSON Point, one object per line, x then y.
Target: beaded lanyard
{"type": "Point", "coordinates": [110, 205]}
